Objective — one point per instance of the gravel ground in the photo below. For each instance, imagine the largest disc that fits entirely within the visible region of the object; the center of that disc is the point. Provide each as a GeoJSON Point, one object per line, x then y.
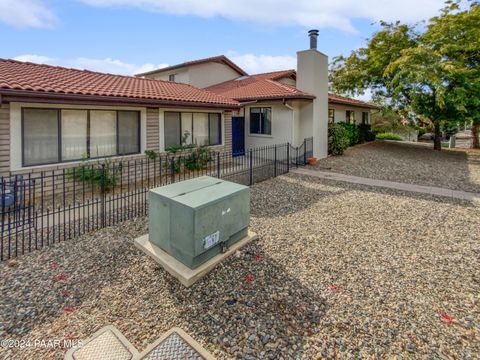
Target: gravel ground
{"type": "Point", "coordinates": [339, 271]}
{"type": "Point", "coordinates": [457, 169]}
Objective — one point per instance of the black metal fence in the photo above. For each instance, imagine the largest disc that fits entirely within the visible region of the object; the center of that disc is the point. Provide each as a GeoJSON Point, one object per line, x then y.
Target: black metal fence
{"type": "Point", "coordinates": [38, 209]}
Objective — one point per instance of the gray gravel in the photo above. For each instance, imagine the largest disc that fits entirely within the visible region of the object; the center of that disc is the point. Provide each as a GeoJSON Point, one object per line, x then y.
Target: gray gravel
{"type": "Point", "coordinates": [457, 169]}
{"type": "Point", "coordinates": [339, 271]}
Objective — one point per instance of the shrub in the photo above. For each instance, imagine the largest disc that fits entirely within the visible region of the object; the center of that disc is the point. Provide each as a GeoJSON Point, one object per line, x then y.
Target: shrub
{"type": "Point", "coordinates": [388, 136]}
{"type": "Point", "coordinates": [198, 158]}
{"type": "Point", "coordinates": [104, 178]}
{"type": "Point", "coordinates": [338, 140]}
{"type": "Point", "coordinates": [366, 133]}
{"type": "Point", "coordinates": [353, 133]}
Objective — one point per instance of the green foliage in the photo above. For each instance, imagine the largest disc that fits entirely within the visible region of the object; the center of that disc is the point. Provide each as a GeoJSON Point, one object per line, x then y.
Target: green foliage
{"type": "Point", "coordinates": [197, 159]}
{"type": "Point", "coordinates": [388, 136]}
{"type": "Point", "coordinates": [103, 178]}
{"type": "Point", "coordinates": [365, 133]}
{"type": "Point", "coordinates": [152, 155]}
{"type": "Point", "coordinates": [353, 133]}
{"type": "Point", "coordinates": [432, 72]}
{"type": "Point", "coordinates": [338, 140]}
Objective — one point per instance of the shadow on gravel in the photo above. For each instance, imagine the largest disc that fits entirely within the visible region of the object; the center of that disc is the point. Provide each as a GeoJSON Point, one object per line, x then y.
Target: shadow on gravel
{"type": "Point", "coordinates": [38, 288]}
{"type": "Point", "coordinates": [250, 308]}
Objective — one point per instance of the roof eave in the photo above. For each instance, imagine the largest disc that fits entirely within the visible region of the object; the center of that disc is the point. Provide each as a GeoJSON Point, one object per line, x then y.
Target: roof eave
{"type": "Point", "coordinates": [11, 95]}
{"type": "Point", "coordinates": [289, 97]}
{"type": "Point", "coordinates": [346, 102]}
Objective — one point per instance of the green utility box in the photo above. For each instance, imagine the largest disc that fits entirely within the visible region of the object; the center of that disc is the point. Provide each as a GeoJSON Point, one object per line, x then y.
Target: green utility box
{"type": "Point", "coordinates": [194, 220]}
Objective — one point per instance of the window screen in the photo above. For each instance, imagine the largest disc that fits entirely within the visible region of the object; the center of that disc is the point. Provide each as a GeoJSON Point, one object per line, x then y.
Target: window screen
{"type": "Point", "coordinates": [40, 136]}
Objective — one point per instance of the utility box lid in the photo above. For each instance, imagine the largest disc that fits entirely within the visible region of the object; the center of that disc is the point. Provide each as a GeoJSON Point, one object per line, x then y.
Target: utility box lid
{"type": "Point", "coordinates": [199, 192]}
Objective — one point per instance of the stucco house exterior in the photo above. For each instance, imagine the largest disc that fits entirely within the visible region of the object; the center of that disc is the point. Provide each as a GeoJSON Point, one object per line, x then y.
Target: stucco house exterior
{"type": "Point", "coordinates": [53, 117]}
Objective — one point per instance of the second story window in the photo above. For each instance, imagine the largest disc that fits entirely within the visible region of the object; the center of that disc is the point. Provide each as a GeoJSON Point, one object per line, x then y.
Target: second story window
{"type": "Point", "coordinates": [171, 77]}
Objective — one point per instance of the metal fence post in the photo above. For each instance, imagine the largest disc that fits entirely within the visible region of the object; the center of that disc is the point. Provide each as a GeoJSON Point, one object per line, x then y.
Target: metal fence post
{"type": "Point", "coordinates": [275, 162]}
{"type": "Point", "coordinates": [251, 166]}
{"type": "Point", "coordinates": [304, 151]}
{"type": "Point", "coordinates": [172, 170]}
{"type": "Point", "coordinates": [103, 194]}
{"type": "Point", "coordinates": [218, 165]}
{"type": "Point", "coordinates": [288, 157]}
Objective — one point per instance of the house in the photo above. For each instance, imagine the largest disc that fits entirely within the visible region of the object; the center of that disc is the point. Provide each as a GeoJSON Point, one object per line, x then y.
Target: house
{"type": "Point", "coordinates": [276, 107]}
{"type": "Point", "coordinates": [52, 117]}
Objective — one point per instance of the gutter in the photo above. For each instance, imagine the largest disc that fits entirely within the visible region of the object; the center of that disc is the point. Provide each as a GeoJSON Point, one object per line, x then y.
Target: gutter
{"type": "Point", "coordinates": [46, 97]}
{"type": "Point", "coordinates": [286, 105]}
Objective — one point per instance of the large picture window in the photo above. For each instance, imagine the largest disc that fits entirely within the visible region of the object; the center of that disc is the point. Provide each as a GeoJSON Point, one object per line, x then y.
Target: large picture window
{"type": "Point", "coordinates": [61, 135]}
{"type": "Point", "coordinates": [203, 129]}
{"type": "Point", "coordinates": [261, 120]}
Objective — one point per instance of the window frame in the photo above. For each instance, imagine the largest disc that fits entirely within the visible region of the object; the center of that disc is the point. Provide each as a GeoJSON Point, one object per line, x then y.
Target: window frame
{"type": "Point", "coordinates": [331, 117]}
{"type": "Point", "coordinates": [261, 112]}
{"type": "Point", "coordinates": [365, 117]}
{"type": "Point", "coordinates": [172, 77]}
{"type": "Point", "coordinates": [59, 132]}
{"type": "Point", "coordinates": [192, 130]}
{"type": "Point", "coordinates": [348, 118]}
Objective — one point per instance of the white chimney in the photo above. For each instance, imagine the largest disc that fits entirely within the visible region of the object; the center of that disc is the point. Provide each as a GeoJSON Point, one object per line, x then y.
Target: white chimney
{"type": "Point", "coordinates": [312, 77]}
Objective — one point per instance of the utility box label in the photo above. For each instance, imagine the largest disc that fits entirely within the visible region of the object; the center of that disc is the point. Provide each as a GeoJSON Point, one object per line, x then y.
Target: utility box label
{"type": "Point", "coordinates": [211, 240]}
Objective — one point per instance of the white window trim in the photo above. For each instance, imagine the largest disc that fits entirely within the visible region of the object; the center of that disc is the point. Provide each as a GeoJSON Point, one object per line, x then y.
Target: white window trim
{"type": "Point", "coordinates": [267, 136]}
{"type": "Point", "coordinates": [16, 132]}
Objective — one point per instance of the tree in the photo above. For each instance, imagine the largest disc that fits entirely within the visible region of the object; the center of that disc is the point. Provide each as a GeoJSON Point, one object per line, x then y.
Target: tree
{"type": "Point", "coordinates": [455, 35]}
{"type": "Point", "coordinates": [420, 72]}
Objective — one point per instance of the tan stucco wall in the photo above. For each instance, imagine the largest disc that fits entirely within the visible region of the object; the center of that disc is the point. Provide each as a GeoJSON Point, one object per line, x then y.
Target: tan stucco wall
{"type": "Point", "coordinates": [287, 81]}
{"type": "Point", "coordinates": [340, 112]}
{"type": "Point", "coordinates": [182, 75]}
{"type": "Point", "coordinates": [282, 126]}
{"type": "Point", "coordinates": [209, 74]}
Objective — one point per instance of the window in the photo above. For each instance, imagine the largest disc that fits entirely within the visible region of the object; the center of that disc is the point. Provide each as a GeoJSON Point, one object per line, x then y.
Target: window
{"type": "Point", "coordinates": [365, 117]}
{"type": "Point", "coordinates": [171, 77]}
{"type": "Point", "coordinates": [350, 116]}
{"type": "Point", "coordinates": [261, 120]}
{"type": "Point", "coordinates": [54, 135]}
{"type": "Point", "coordinates": [74, 134]}
{"type": "Point", "coordinates": [40, 136]}
{"type": "Point", "coordinates": [331, 116]}
{"type": "Point", "coordinates": [192, 128]}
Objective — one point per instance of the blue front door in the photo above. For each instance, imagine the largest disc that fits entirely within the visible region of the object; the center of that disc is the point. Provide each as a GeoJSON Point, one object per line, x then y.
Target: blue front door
{"type": "Point", "coordinates": [238, 135]}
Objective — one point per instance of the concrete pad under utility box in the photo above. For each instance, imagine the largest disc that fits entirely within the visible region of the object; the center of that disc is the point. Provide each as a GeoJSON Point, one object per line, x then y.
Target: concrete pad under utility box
{"type": "Point", "coordinates": [180, 271]}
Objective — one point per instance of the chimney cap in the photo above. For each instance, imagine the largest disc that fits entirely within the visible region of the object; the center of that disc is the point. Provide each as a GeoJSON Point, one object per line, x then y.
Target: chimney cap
{"type": "Point", "coordinates": [313, 32]}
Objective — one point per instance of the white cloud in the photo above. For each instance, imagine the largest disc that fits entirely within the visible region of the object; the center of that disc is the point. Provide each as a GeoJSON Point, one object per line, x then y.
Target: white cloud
{"type": "Point", "coordinates": [107, 65]}
{"type": "Point", "coordinates": [26, 13]}
{"type": "Point", "coordinates": [254, 64]}
{"type": "Point", "coordinates": [309, 13]}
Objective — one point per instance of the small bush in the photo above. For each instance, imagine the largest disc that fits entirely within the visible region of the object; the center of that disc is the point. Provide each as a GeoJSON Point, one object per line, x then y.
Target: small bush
{"type": "Point", "coordinates": [366, 133]}
{"type": "Point", "coordinates": [338, 140]}
{"type": "Point", "coordinates": [104, 178]}
{"type": "Point", "coordinates": [388, 136]}
{"type": "Point", "coordinates": [353, 133]}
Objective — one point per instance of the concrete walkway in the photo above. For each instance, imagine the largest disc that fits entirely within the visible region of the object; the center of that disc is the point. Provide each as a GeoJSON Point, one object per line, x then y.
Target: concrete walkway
{"type": "Point", "coordinates": [429, 190]}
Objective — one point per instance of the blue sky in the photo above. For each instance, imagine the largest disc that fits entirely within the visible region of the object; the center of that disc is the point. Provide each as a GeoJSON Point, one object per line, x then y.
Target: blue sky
{"type": "Point", "coordinates": [118, 37]}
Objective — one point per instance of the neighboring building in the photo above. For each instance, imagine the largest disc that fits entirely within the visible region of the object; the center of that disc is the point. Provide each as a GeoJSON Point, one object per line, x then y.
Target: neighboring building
{"type": "Point", "coordinates": [52, 117]}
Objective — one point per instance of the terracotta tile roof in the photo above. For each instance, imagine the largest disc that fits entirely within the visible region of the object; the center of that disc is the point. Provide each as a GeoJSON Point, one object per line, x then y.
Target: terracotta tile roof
{"type": "Point", "coordinates": [48, 81]}
{"type": "Point", "coordinates": [337, 99]}
{"type": "Point", "coordinates": [276, 75]}
{"type": "Point", "coordinates": [258, 88]}
{"type": "Point", "coordinates": [220, 58]}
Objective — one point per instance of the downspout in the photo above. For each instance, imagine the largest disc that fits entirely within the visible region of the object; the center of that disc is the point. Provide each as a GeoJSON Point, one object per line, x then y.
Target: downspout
{"type": "Point", "coordinates": [293, 119]}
